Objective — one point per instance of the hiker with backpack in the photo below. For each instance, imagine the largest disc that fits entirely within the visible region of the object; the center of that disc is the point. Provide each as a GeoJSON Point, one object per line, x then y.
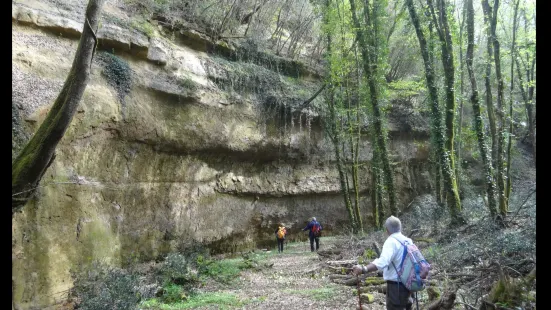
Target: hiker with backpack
{"type": "Point", "coordinates": [404, 268]}
{"type": "Point", "coordinates": [280, 232]}
{"type": "Point", "coordinates": [314, 228]}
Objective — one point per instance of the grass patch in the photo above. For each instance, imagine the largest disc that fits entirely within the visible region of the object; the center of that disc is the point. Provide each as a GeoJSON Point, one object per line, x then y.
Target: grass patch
{"type": "Point", "coordinates": [143, 26]}
{"type": "Point", "coordinates": [323, 293]}
{"type": "Point", "coordinates": [222, 300]}
{"type": "Point", "coordinates": [224, 271]}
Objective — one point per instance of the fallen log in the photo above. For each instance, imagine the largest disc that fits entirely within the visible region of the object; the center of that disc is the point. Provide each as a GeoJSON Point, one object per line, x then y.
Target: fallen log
{"type": "Point", "coordinates": [329, 252]}
{"type": "Point", "coordinates": [341, 270]}
{"type": "Point", "coordinates": [373, 281]}
{"type": "Point", "coordinates": [364, 281]}
{"type": "Point", "coordinates": [455, 275]}
{"type": "Point", "coordinates": [446, 302]}
{"type": "Point", "coordinates": [349, 262]}
{"type": "Point", "coordinates": [339, 276]}
{"type": "Point", "coordinates": [347, 279]}
{"type": "Point", "coordinates": [374, 288]}
{"type": "Point", "coordinates": [367, 298]}
{"type": "Point", "coordinates": [312, 271]}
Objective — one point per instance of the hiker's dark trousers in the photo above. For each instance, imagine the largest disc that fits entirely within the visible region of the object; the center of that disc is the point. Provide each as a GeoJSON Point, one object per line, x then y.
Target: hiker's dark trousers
{"type": "Point", "coordinates": [317, 240]}
{"type": "Point", "coordinates": [280, 244]}
{"type": "Point", "coordinates": [397, 296]}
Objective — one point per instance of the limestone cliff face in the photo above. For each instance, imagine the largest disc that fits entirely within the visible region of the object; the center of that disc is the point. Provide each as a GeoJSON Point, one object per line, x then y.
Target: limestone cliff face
{"type": "Point", "coordinates": [175, 140]}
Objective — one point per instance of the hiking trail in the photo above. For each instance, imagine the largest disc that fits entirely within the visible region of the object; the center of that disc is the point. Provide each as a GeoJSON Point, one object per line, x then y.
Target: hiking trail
{"type": "Point", "coordinates": [295, 281]}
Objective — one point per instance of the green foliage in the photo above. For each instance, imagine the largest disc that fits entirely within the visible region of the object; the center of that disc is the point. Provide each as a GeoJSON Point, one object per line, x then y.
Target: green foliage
{"type": "Point", "coordinates": [177, 269]}
{"type": "Point", "coordinates": [220, 299]}
{"type": "Point", "coordinates": [224, 271]}
{"type": "Point", "coordinates": [367, 256]}
{"type": "Point", "coordinates": [188, 84]}
{"type": "Point", "coordinates": [100, 286]}
{"type": "Point", "coordinates": [172, 293]}
{"type": "Point", "coordinates": [405, 89]}
{"type": "Point", "coordinates": [143, 26]}
{"type": "Point", "coordinates": [118, 74]}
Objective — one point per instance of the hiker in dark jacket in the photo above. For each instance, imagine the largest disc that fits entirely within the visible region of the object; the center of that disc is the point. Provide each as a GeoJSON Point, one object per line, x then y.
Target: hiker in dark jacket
{"type": "Point", "coordinates": [280, 236]}
{"type": "Point", "coordinates": [314, 228]}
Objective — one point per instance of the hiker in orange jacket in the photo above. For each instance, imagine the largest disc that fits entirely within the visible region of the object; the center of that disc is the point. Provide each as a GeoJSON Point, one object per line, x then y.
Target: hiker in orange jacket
{"type": "Point", "coordinates": [281, 233]}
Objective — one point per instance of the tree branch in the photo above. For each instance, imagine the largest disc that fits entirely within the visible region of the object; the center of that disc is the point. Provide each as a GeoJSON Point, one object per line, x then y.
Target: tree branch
{"type": "Point", "coordinates": [307, 102]}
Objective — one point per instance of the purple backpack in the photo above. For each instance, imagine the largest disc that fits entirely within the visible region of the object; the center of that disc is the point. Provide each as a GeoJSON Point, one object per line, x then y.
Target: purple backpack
{"type": "Point", "coordinates": [414, 269]}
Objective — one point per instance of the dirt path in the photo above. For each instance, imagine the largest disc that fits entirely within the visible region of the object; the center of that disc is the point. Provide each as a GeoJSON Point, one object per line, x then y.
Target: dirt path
{"type": "Point", "coordinates": [289, 285]}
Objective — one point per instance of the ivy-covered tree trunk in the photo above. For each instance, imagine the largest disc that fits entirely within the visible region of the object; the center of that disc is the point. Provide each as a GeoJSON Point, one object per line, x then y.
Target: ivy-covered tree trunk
{"type": "Point", "coordinates": [443, 30]}
{"type": "Point", "coordinates": [510, 134]}
{"type": "Point", "coordinates": [461, 96]}
{"type": "Point", "coordinates": [354, 149]}
{"type": "Point", "coordinates": [527, 88]}
{"type": "Point", "coordinates": [31, 164]}
{"type": "Point", "coordinates": [343, 181]}
{"type": "Point", "coordinates": [376, 190]}
{"type": "Point", "coordinates": [334, 131]}
{"type": "Point", "coordinates": [369, 57]}
{"type": "Point", "coordinates": [435, 118]}
{"type": "Point", "coordinates": [491, 18]}
{"type": "Point", "coordinates": [486, 160]}
{"type": "Point", "coordinates": [527, 97]}
{"type": "Point", "coordinates": [445, 155]}
{"type": "Point", "coordinates": [353, 145]}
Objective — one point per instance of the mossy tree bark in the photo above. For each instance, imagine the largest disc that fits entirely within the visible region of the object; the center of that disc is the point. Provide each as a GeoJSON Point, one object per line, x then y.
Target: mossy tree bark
{"type": "Point", "coordinates": [460, 123]}
{"type": "Point", "coordinates": [31, 164]}
{"type": "Point", "coordinates": [444, 150]}
{"type": "Point", "coordinates": [510, 134]}
{"type": "Point", "coordinates": [489, 101]}
{"type": "Point", "coordinates": [435, 118]}
{"type": "Point", "coordinates": [440, 21]}
{"type": "Point", "coordinates": [340, 165]}
{"type": "Point", "coordinates": [354, 127]}
{"type": "Point", "coordinates": [490, 16]}
{"type": "Point", "coordinates": [335, 131]}
{"type": "Point", "coordinates": [486, 160]}
{"type": "Point", "coordinates": [377, 190]}
{"type": "Point", "coordinates": [527, 66]}
{"type": "Point", "coordinates": [354, 148]}
{"type": "Point", "coordinates": [368, 42]}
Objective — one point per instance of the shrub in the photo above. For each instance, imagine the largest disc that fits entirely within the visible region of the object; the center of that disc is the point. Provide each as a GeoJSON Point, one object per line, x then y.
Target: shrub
{"type": "Point", "coordinates": [118, 74]}
{"type": "Point", "coordinates": [176, 269]}
{"type": "Point", "coordinates": [103, 287]}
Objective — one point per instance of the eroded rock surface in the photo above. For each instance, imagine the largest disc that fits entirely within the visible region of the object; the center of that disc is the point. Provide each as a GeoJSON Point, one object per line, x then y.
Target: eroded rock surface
{"type": "Point", "coordinates": [193, 150]}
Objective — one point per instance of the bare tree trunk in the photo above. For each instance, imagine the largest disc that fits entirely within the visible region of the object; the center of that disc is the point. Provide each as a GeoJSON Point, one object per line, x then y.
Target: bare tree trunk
{"type": "Point", "coordinates": [486, 160]}
{"type": "Point", "coordinates": [31, 164]}
{"type": "Point", "coordinates": [255, 9]}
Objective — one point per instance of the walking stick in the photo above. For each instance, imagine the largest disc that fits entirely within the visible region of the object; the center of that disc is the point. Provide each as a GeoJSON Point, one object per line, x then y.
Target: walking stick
{"type": "Point", "coordinates": [359, 297]}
